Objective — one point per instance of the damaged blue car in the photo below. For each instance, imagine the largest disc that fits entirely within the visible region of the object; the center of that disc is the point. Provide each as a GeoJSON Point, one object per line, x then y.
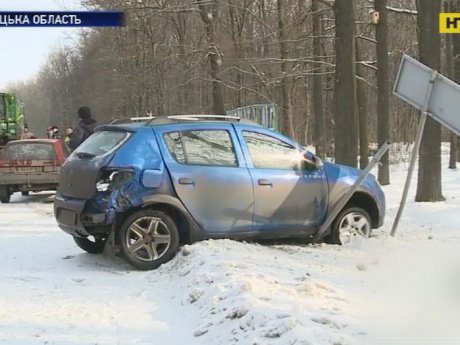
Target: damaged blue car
{"type": "Point", "coordinates": [143, 189]}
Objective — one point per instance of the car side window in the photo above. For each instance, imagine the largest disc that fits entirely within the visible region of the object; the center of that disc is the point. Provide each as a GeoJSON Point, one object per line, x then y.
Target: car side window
{"type": "Point", "coordinates": [174, 144]}
{"type": "Point", "coordinates": [201, 147]}
{"type": "Point", "coordinates": [270, 153]}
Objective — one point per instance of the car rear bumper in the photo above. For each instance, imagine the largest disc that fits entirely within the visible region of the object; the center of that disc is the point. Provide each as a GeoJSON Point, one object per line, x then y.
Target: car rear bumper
{"type": "Point", "coordinates": [29, 179]}
{"type": "Point", "coordinates": [72, 218]}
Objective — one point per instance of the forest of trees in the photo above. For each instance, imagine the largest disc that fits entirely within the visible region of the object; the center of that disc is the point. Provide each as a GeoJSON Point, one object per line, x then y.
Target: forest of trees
{"type": "Point", "coordinates": [328, 65]}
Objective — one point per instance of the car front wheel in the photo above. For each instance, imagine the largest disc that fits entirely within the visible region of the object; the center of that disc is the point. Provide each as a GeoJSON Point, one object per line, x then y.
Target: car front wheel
{"type": "Point", "coordinates": [92, 246]}
{"type": "Point", "coordinates": [352, 222]}
{"type": "Point", "coordinates": [148, 238]}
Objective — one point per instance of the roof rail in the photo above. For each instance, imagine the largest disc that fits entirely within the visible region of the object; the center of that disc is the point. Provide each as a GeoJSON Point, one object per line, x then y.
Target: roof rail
{"type": "Point", "coordinates": [171, 118]}
{"type": "Point", "coordinates": [198, 117]}
{"type": "Point", "coordinates": [142, 118]}
{"type": "Point", "coordinates": [203, 116]}
{"type": "Point", "coordinates": [131, 119]}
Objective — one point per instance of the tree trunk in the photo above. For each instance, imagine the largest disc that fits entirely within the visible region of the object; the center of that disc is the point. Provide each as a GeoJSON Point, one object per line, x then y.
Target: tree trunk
{"type": "Point", "coordinates": [383, 121]}
{"type": "Point", "coordinates": [362, 112]}
{"type": "Point", "coordinates": [455, 39]}
{"type": "Point", "coordinates": [453, 151]}
{"type": "Point", "coordinates": [239, 53]}
{"type": "Point", "coordinates": [449, 70]}
{"type": "Point", "coordinates": [429, 170]}
{"type": "Point", "coordinates": [286, 113]}
{"type": "Point", "coordinates": [319, 133]}
{"type": "Point", "coordinates": [208, 13]}
{"type": "Point", "coordinates": [346, 133]}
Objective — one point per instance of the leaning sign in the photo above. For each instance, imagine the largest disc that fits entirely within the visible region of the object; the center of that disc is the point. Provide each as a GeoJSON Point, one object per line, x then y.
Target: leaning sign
{"type": "Point", "coordinates": [429, 91]}
{"type": "Point", "coordinates": [433, 94]}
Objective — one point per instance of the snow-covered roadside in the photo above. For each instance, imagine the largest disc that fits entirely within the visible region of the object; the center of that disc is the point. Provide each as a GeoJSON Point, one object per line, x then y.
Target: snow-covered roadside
{"type": "Point", "coordinates": [383, 291]}
{"type": "Point", "coordinates": [213, 292]}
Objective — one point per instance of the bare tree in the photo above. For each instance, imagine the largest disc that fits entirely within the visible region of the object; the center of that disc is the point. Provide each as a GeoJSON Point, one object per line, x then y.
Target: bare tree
{"type": "Point", "coordinates": [361, 107]}
{"type": "Point", "coordinates": [208, 13]}
{"type": "Point", "coordinates": [286, 114]}
{"type": "Point", "coordinates": [346, 137]}
{"type": "Point", "coordinates": [319, 134]}
{"type": "Point", "coordinates": [383, 124]}
{"type": "Point", "coordinates": [429, 171]}
{"type": "Point", "coordinates": [182, 56]}
{"type": "Point", "coordinates": [449, 70]}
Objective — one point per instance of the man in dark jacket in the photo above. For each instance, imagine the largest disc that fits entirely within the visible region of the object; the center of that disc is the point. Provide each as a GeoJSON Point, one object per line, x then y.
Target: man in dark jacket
{"type": "Point", "coordinates": [83, 129]}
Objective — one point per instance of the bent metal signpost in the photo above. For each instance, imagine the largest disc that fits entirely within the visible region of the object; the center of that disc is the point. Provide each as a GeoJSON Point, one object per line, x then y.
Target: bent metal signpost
{"type": "Point", "coordinates": [434, 95]}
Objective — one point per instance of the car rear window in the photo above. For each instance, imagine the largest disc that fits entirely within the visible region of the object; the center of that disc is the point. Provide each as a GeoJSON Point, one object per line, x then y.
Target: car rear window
{"type": "Point", "coordinates": [101, 143]}
{"type": "Point", "coordinates": [29, 151]}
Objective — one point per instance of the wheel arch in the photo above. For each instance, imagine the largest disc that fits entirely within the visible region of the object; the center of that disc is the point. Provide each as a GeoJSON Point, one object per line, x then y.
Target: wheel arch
{"type": "Point", "coordinates": [177, 216]}
{"type": "Point", "coordinates": [365, 201]}
{"type": "Point", "coordinates": [189, 230]}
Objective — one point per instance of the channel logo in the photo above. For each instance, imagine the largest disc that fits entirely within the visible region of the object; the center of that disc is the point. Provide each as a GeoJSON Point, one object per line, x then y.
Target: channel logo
{"type": "Point", "coordinates": [449, 23]}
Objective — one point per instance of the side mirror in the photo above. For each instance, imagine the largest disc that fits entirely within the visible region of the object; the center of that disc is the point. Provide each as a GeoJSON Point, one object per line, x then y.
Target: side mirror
{"type": "Point", "coordinates": [311, 162]}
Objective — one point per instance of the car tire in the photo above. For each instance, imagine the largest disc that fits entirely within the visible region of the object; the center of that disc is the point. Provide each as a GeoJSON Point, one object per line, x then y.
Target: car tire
{"type": "Point", "coordinates": [90, 246]}
{"type": "Point", "coordinates": [148, 238]}
{"type": "Point", "coordinates": [26, 193]}
{"type": "Point", "coordinates": [351, 222]}
{"type": "Point", "coordinates": [5, 195]}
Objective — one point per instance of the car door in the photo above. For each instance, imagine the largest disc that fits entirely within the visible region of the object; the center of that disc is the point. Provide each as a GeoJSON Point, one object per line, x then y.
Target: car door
{"type": "Point", "coordinates": [210, 176]}
{"type": "Point", "coordinates": [289, 196]}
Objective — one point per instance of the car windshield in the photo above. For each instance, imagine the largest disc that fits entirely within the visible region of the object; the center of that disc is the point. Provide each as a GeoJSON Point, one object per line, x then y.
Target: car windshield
{"type": "Point", "coordinates": [101, 143]}
{"type": "Point", "coordinates": [37, 151]}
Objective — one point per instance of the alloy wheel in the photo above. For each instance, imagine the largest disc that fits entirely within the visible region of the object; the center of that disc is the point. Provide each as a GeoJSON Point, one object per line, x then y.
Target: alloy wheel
{"type": "Point", "coordinates": [351, 225]}
{"type": "Point", "coordinates": [148, 238]}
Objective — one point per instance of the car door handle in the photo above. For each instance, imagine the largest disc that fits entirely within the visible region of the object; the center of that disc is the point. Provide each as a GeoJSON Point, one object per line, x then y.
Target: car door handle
{"type": "Point", "coordinates": [264, 182]}
{"type": "Point", "coordinates": [186, 180]}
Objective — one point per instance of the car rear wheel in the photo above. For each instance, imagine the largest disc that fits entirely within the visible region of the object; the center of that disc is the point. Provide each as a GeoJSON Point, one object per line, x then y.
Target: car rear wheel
{"type": "Point", "coordinates": [5, 195]}
{"type": "Point", "coordinates": [90, 245]}
{"type": "Point", "coordinates": [352, 222]}
{"type": "Point", "coordinates": [148, 238]}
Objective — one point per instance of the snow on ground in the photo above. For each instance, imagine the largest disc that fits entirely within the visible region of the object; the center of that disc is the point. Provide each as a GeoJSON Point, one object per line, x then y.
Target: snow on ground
{"type": "Point", "coordinates": [385, 290]}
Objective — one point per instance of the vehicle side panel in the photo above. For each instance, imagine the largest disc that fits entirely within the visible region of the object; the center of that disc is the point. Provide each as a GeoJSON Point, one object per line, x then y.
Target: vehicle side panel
{"type": "Point", "coordinates": [219, 198]}
{"type": "Point", "coordinates": [295, 202]}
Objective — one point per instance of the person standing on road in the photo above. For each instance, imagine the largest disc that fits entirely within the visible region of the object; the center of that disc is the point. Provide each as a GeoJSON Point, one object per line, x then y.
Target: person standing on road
{"type": "Point", "coordinates": [68, 135]}
{"type": "Point", "coordinates": [26, 134]}
{"type": "Point", "coordinates": [83, 129]}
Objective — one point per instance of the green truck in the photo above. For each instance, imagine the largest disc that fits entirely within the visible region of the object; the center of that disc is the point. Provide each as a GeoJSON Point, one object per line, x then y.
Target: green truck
{"type": "Point", "coordinates": [11, 117]}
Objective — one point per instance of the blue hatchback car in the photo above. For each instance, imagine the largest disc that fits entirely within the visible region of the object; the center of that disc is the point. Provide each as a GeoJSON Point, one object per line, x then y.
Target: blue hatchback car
{"type": "Point", "coordinates": [142, 189]}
